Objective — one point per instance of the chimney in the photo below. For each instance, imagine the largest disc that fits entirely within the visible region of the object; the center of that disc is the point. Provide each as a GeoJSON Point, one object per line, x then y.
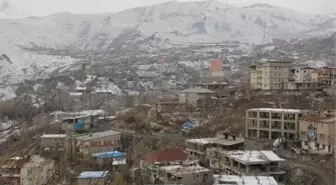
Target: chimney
{"type": "Point", "coordinates": [233, 135]}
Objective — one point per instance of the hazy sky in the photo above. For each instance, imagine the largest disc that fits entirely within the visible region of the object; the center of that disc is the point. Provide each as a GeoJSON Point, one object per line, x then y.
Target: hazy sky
{"type": "Point", "coordinates": [46, 7]}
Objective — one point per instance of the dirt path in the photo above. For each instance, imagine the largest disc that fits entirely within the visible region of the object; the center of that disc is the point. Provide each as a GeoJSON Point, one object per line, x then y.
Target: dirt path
{"type": "Point", "coordinates": [313, 168]}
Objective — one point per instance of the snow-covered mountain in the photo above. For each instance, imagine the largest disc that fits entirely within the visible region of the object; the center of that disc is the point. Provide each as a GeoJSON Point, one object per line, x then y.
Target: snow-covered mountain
{"type": "Point", "coordinates": [143, 28]}
{"type": "Point", "coordinates": [207, 21]}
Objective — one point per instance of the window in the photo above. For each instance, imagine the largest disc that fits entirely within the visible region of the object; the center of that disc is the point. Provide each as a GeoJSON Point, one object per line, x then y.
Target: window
{"type": "Point", "coordinates": [197, 176]}
{"type": "Point", "coordinates": [29, 171]}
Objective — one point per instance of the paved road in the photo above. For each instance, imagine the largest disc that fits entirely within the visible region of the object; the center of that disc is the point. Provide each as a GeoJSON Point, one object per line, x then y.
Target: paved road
{"type": "Point", "coordinates": [313, 168]}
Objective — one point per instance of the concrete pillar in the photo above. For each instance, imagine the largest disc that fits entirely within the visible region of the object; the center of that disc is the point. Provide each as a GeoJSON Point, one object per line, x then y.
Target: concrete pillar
{"type": "Point", "coordinates": [258, 122]}
{"type": "Point", "coordinates": [247, 170]}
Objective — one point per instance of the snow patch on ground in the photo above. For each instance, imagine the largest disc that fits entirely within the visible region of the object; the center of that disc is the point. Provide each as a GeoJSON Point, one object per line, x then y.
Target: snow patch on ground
{"type": "Point", "coordinates": [7, 92]}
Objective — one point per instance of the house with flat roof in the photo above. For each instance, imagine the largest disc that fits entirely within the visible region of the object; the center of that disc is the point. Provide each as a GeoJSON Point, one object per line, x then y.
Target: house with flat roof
{"type": "Point", "coordinates": [93, 177]}
{"type": "Point", "coordinates": [196, 96]}
{"type": "Point", "coordinates": [98, 142]}
{"type": "Point", "coordinates": [186, 175]}
{"type": "Point", "coordinates": [53, 142]}
{"type": "Point", "coordinates": [203, 148]}
{"type": "Point", "coordinates": [273, 123]}
{"type": "Point", "coordinates": [151, 163]}
{"type": "Point", "coordinates": [115, 158]}
{"type": "Point", "coordinates": [263, 163]}
{"type": "Point", "coordinates": [243, 180]}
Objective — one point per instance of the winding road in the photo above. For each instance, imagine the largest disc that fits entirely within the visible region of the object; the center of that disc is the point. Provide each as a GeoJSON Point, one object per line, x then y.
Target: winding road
{"type": "Point", "coordinates": [313, 168]}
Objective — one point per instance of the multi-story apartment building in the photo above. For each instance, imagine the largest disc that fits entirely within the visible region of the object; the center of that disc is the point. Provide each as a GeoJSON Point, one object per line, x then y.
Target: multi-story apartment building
{"type": "Point", "coordinates": [303, 78]}
{"type": "Point", "coordinates": [269, 76]}
{"type": "Point", "coordinates": [203, 148]}
{"type": "Point", "coordinates": [99, 142]}
{"type": "Point", "coordinates": [317, 132]}
{"type": "Point", "coordinates": [270, 123]}
{"type": "Point", "coordinates": [325, 75]}
{"type": "Point", "coordinates": [29, 170]}
{"type": "Point", "coordinates": [186, 175]}
{"type": "Point", "coordinates": [263, 163]}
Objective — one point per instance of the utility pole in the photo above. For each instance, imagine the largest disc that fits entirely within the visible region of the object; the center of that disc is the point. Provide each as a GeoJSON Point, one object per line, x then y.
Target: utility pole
{"type": "Point", "coordinates": [58, 91]}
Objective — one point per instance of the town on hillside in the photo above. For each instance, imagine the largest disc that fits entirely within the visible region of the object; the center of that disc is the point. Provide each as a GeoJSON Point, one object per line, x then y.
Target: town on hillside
{"type": "Point", "coordinates": [275, 128]}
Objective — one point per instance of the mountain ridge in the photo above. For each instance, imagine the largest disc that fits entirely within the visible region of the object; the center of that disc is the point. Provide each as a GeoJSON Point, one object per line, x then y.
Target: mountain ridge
{"type": "Point", "coordinates": [144, 29]}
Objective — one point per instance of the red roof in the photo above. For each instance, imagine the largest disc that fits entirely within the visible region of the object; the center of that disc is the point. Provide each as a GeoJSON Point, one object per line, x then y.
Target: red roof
{"type": "Point", "coordinates": [167, 155]}
{"type": "Point", "coordinates": [217, 65]}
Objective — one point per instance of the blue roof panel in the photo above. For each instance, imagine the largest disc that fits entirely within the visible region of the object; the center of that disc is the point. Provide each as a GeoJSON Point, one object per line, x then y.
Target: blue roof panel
{"type": "Point", "coordinates": [111, 154]}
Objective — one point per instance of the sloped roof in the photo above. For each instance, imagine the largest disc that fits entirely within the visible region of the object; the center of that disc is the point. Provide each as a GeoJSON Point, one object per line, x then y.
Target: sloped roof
{"type": "Point", "coordinates": [198, 90]}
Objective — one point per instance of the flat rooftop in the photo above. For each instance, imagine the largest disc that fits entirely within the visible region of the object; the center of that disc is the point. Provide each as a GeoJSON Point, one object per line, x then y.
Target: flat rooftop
{"type": "Point", "coordinates": [278, 110]}
{"type": "Point", "coordinates": [243, 180]}
{"type": "Point", "coordinates": [254, 157]}
{"type": "Point", "coordinates": [178, 170]}
{"type": "Point", "coordinates": [53, 136]}
{"type": "Point", "coordinates": [98, 135]}
{"type": "Point", "coordinates": [92, 174]}
{"type": "Point", "coordinates": [217, 140]}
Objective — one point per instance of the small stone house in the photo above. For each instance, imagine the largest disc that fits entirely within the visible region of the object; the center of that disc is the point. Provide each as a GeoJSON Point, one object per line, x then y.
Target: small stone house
{"type": "Point", "coordinates": [195, 96]}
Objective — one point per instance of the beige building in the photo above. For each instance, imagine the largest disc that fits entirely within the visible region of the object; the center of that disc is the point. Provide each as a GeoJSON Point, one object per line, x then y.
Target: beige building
{"type": "Point", "coordinates": [53, 141]}
{"type": "Point", "coordinates": [186, 175]}
{"type": "Point", "coordinates": [317, 132]}
{"type": "Point", "coordinates": [270, 123]}
{"type": "Point", "coordinates": [263, 163]}
{"type": "Point", "coordinates": [93, 177]}
{"type": "Point", "coordinates": [303, 78]}
{"type": "Point", "coordinates": [30, 170]}
{"type": "Point", "coordinates": [196, 96]}
{"type": "Point", "coordinates": [269, 76]}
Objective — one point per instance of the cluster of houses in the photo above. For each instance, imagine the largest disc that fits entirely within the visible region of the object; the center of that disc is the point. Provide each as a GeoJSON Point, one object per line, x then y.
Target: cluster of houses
{"type": "Point", "coordinates": [98, 150]}
{"type": "Point", "coordinates": [273, 76]}
{"type": "Point", "coordinates": [224, 159]}
{"type": "Point", "coordinates": [311, 131]}
{"type": "Point", "coordinates": [213, 161]}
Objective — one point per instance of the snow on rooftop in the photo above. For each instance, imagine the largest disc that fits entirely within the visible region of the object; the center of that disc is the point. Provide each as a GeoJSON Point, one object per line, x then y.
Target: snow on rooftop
{"type": "Point", "coordinates": [180, 170]}
{"type": "Point", "coordinates": [92, 174]}
{"type": "Point", "coordinates": [263, 156]}
{"type": "Point", "coordinates": [217, 140]}
{"type": "Point", "coordinates": [107, 117]}
{"type": "Point", "coordinates": [119, 162]}
{"type": "Point", "coordinates": [278, 110]}
{"type": "Point", "coordinates": [53, 136]}
{"type": "Point", "coordinates": [75, 93]}
{"type": "Point", "coordinates": [244, 180]}
{"type": "Point", "coordinates": [81, 88]}
{"type": "Point", "coordinates": [81, 113]}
